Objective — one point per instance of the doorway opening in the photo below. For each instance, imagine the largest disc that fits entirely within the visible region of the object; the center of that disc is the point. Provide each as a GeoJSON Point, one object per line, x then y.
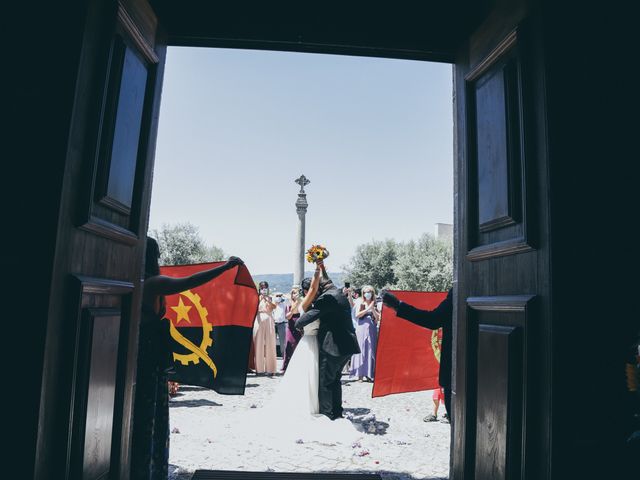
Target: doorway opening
{"type": "Point", "coordinates": [374, 136]}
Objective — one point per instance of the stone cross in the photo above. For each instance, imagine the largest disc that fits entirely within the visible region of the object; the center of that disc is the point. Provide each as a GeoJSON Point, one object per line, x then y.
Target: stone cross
{"type": "Point", "coordinates": [302, 181]}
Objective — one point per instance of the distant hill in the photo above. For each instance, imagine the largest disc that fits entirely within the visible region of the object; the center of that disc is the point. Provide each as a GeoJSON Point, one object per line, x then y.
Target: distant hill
{"type": "Point", "coordinates": [282, 282]}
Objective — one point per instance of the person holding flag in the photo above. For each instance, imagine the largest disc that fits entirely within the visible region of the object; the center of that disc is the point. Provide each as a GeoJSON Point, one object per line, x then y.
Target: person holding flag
{"type": "Point", "coordinates": [440, 317]}
{"type": "Point", "coordinates": [150, 439]}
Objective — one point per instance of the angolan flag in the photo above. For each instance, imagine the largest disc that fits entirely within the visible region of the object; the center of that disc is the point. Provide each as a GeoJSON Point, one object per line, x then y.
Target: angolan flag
{"type": "Point", "coordinates": [408, 356]}
{"type": "Point", "coordinates": [211, 328]}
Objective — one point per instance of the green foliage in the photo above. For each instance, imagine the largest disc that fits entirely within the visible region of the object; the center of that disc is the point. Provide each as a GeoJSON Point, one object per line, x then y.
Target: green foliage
{"type": "Point", "coordinates": [425, 264]}
{"type": "Point", "coordinates": [181, 244]}
{"type": "Point", "coordinates": [372, 264]}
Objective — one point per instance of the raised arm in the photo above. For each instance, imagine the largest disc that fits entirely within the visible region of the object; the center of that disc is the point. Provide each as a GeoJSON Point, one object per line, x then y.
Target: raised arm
{"type": "Point", "coordinates": [313, 289]}
{"type": "Point", "coordinates": [349, 296]}
{"type": "Point", "coordinates": [432, 319]}
{"type": "Point", "coordinates": [270, 305]}
{"type": "Point", "coordinates": [163, 285]}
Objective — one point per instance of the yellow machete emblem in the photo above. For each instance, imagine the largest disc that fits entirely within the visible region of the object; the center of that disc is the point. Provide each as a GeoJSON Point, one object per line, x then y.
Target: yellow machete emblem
{"type": "Point", "coordinates": [197, 352]}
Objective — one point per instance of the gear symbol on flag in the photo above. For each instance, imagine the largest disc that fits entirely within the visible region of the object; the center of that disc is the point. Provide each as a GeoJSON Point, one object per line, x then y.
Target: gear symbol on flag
{"type": "Point", "coordinates": [436, 344]}
{"type": "Point", "coordinates": [197, 352]}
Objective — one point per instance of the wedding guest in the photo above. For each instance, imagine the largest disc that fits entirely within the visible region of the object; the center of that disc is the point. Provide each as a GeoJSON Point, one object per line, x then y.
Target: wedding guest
{"type": "Point", "coordinates": [367, 316]}
{"type": "Point", "coordinates": [264, 333]}
{"type": "Point", "coordinates": [438, 398]}
{"type": "Point", "coordinates": [252, 357]}
{"type": "Point", "coordinates": [280, 320]}
{"type": "Point", "coordinates": [150, 430]}
{"type": "Point", "coordinates": [293, 335]}
{"type": "Point", "coordinates": [353, 295]}
{"type": "Point", "coordinates": [379, 307]}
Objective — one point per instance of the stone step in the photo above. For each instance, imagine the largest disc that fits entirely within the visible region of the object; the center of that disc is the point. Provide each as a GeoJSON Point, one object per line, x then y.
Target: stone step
{"type": "Point", "coordinates": [231, 475]}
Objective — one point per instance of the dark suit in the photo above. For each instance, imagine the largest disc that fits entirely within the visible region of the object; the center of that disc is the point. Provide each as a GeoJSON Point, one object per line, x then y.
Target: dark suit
{"type": "Point", "coordinates": [440, 317]}
{"type": "Point", "coordinates": [337, 341]}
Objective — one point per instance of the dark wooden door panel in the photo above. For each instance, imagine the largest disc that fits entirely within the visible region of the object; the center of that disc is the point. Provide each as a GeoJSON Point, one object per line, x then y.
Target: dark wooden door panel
{"type": "Point", "coordinates": [90, 362]}
{"type": "Point", "coordinates": [103, 338]}
{"type": "Point", "coordinates": [133, 73]}
{"type": "Point", "coordinates": [499, 190]}
{"type": "Point", "coordinates": [118, 135]}
{"type": "Point", "coordinates": [502, 311]}
{"type": "Point", "coordinates": [492, 400]}
{"type": "Point", "coordinates": [491, 148]}
{"type": "Point", "coordinates": [102, 312]}
{"type": "Point", "coordinates": [501, 341]}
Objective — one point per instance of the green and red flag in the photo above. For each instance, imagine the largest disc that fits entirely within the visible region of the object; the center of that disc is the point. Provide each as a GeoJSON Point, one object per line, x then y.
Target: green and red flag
{"type": "Point", "coordinates": [211, 328]}
{"type": "Point", "coordinates": [408, 356]}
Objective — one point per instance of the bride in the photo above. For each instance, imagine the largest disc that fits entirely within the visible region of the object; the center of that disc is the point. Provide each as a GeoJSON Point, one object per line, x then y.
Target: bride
{"type": "Point", "coordinates": [298, 389]}
{"type": "Point", "coordinates": [293, 411]}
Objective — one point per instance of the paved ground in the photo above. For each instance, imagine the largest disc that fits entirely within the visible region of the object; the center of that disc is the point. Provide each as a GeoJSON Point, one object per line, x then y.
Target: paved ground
{"type": "Point", "coordinates": [397, 442]}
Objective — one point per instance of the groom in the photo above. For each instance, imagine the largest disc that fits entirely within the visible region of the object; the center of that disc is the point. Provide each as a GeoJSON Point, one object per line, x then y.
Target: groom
{"type": "Point", "coordinates": [337, 341]}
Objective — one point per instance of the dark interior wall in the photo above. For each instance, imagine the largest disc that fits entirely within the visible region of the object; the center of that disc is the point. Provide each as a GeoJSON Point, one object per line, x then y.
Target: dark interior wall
{"type": "Point", "coordinates": [415, 30]}
{"type": "Point", "coordinates": [589, 94]}
{"type": "Point", "coordinates": [39, 74]}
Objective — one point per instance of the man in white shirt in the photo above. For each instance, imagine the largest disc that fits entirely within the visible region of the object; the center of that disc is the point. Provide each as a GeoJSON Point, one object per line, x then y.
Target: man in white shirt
{"type": "Point", "coordinates": [280, 320]}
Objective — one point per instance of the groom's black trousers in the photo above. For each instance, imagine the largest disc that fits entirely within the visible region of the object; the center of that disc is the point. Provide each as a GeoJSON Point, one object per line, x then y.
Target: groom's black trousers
{"type": "Point", "coordinates": [330, 387]}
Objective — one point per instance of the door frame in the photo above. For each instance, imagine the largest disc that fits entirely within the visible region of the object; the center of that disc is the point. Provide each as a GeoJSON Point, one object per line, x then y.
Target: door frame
{"type": "Point", "coordinates": [445, 55]}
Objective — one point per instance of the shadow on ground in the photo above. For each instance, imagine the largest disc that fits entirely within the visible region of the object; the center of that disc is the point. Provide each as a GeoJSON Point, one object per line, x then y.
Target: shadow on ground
{"type": "Point", "coordinates": [357, 411]}
{"type": "Point", "coordinates": [366, 421]}
{"type": "Point", "coordinates": [193, 403]}
{"type": "Point", "coordinates": [177, 473]}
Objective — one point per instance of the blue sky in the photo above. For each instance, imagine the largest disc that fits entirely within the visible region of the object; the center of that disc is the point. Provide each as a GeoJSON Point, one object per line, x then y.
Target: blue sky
{"type": "Point", "coordinates": [374, 136]}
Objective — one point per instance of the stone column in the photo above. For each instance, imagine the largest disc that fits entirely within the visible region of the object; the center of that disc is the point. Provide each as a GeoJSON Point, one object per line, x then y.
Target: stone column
{"type": "Point", "coordinates": [301, 210]}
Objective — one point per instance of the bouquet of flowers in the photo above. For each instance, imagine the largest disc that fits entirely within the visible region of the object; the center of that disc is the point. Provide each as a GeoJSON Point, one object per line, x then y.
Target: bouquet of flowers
{"type": "Point", "coordinates": [317, 254]}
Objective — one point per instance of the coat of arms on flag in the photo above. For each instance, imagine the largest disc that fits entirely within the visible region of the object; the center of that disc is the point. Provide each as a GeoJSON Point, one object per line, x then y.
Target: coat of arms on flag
{"type": "Point", "coordinates": [211, 327]}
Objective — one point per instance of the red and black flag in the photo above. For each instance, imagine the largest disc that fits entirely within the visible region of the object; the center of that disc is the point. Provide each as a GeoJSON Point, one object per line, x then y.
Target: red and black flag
{"type": "Point", "coordinates": [408, 356]}
{"type": "Point", "coordinates": [211, 328]}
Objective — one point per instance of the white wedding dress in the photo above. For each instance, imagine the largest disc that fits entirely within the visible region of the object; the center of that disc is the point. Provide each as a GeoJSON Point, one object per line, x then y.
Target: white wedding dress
{"type": "Point", "coordinates": [297, 394]}
{"type": "Point", "coordinates": [291, 415]}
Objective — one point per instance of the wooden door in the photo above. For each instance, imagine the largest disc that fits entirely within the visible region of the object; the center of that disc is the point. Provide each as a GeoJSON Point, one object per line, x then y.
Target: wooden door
{"type": "Point", "coordinates": [91, 343]}
{"type": "Point", "coordinates": [501, 402]}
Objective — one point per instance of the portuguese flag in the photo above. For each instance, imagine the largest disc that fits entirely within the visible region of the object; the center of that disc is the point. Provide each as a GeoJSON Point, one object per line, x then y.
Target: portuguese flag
{"type": "Point", "coordinates": [408, 356]}
{"type": "Point", "coordinates": [211, 328]}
